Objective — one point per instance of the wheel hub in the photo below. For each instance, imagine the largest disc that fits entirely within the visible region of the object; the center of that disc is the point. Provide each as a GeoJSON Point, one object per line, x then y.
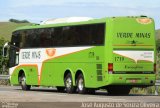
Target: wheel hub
{"type": "Point", "coordinates": [23, 80]}
{"type": "Point", "coordinates": [68, 82]}
{"type": "Point", "coordinates": [80, 84]}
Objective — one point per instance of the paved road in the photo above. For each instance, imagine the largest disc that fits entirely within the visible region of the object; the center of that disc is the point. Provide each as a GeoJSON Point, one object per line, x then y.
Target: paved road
{"type": "Point", "coordinates": [15, 94]}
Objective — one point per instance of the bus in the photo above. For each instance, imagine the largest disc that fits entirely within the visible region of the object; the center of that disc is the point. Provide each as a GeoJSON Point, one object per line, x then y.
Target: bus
{"type": "Point", "coordinates": [112, 53]}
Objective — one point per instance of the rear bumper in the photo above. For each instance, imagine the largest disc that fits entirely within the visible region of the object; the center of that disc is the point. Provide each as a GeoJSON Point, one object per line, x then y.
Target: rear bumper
{"type": "Point", "coordinates": [132, 79]}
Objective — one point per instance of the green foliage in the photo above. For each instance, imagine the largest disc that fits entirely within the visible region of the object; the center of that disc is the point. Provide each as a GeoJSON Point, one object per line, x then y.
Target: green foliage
{"type": "Point", "coordinates": [158, 40]}
{"type": "Point", "coordinates": [158, 34]}
{"type": "Point", "coordinates": [4, 82]}
{"type": "Point", "coordinates": [2, 41]}
{"type": "Point", "coordinates": [3, 61]}
{"type": "Point", "coordinates": [158, 44]}
{"type": "Point", "coordinates": [18, 21]}
{"type": "Point", "coordinates": [144, 91]}
{"type": "Point", "coordinates": [158, 66]}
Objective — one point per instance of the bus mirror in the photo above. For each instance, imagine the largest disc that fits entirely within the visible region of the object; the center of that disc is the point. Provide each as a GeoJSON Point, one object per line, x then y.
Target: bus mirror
{"type": "Point", "coordinates": [5, 50]}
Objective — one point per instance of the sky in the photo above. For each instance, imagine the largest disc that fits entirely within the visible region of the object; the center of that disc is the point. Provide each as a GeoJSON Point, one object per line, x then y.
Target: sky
{"type": "Point", "coordinates": [39, 10]}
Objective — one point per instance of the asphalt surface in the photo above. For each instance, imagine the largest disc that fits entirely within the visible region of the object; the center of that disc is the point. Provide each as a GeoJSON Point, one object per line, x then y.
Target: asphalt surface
{"type": "Point", "coordinates": [42, 97]}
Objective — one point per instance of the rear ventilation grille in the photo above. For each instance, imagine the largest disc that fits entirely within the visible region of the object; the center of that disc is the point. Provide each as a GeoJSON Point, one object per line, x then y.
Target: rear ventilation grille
{"type": "Point", "coordinates": [99, 72]}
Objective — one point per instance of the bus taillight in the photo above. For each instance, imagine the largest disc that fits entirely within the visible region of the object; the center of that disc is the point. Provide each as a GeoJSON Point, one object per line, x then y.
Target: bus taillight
{"type": "Point", "coordinates": [110, 68]}
{"type": "Point", "coordinates": [154, 67]}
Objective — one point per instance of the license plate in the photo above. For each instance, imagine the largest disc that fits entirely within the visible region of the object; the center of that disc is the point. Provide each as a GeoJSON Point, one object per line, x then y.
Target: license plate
{"type": "Point", "coordinates": [133, 81]}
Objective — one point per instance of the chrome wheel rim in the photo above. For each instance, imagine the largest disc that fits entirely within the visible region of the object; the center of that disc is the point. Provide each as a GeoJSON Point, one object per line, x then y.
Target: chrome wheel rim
{"type": "Point", "coordinates": [68, 83]}
{"type": "Point", "coordinates": [23, 81]}
{"type": "Point", "coordinates": [80, 84]}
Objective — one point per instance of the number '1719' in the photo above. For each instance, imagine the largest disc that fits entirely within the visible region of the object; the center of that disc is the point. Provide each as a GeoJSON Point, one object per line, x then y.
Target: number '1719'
{"type": "Point", "coordinates": [119, 58]}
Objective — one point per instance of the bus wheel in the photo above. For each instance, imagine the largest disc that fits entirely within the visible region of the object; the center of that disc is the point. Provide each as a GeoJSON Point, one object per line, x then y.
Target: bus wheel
{"type": "Point", "coordinates": [23, 84]}
{"type": "Point", "coordinates": [60, 89]}
{"type": "Point", "coordinates": [69, 84]}
{"type": "Point", "coordinates": [81, 85]}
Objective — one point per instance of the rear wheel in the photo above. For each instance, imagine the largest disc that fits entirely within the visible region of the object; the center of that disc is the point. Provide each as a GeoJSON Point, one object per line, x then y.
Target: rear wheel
{"type": "Point", "coordinates": [69, 84]}
{"type": "Point", "coordinates": [23, 84]}
{"type": "Point", "coordinates": [118, 90]}
{"type": "Point", "coordinates": [81, 85]}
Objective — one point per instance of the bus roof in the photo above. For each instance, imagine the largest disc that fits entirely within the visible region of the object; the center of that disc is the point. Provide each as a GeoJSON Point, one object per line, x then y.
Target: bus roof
{"type": "Point", "coordinates": [36, 26]}
{"type": "Point", "coordinates": [91, 21]}
{"type": "Point", "coordinates": [65, 20]}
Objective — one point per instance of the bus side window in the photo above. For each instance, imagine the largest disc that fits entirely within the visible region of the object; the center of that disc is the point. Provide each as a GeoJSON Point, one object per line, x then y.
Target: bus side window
{"type": "Point", "coordinates": [98, 34]}
{"type": "Point", "coordinates": [66, 36]}
{"type": "Point", "coordinates": [86, 35]}
{"type": "Point", "coordinates": [57, 36]}
{"type": "Point", "coordinates": [16, 39]}
{"type": "Point", "coordinates": [45, 38]}
{"type": "Point", "coordinates": [23, 39]}
{"type": "Point", "coordinates": [70, 36]}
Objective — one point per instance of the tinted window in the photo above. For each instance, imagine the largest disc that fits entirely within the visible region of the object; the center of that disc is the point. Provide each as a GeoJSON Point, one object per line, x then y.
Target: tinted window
{"type": "Point", "coordinates": [16, 39]}
{"type": "Point", "coordinates": [12, 57]}
{"type": "Point", "coordinates": [81, 35]}
{"type": "Point", "coordinates": [57, 37]}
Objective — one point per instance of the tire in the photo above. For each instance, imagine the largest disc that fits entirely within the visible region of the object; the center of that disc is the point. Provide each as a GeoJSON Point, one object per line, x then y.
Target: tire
{"type": "Point", "coordinates": [23, 84]}
{"type": "Point", "coordinates": [118, 90]}
{"type": "Point", "coordinates": [81, 84]}
{"type": "Point", "coordinates": [68, 81]}
{"type": "Point", "coordinates": [60, 89]}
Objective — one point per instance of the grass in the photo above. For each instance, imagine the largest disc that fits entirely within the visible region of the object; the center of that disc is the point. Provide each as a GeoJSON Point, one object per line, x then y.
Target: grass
{"type": "Point", "coordinates": [6, 28]}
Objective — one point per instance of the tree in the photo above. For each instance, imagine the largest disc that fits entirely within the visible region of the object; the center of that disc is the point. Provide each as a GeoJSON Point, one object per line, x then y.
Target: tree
{"type": "Point", "coordinates": [18, 21]}
{"type": "Point", "coordinates": [158, 45]}
{"type": "Point", "coordinates": [3, 61]}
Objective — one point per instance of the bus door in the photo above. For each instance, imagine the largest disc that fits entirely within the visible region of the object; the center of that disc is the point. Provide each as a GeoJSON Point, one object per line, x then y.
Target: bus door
{"type": "Point", "coordinates": [14, 57]}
